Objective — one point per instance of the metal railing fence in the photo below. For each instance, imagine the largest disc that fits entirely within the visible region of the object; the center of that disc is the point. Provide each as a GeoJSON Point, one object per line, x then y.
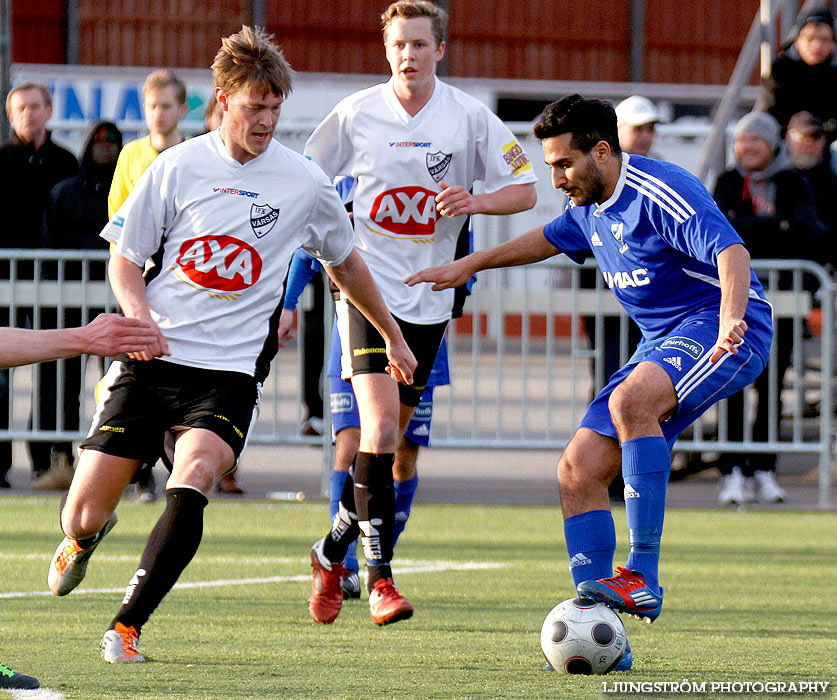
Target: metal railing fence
{"type": "Point", "coordinates": [522, 366]}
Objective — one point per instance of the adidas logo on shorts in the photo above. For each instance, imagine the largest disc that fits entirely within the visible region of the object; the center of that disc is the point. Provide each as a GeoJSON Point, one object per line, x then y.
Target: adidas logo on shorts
{"type": "Point", "coordinates": [674, 362]}
{"type": "Point", "coordinates": [422, 430]}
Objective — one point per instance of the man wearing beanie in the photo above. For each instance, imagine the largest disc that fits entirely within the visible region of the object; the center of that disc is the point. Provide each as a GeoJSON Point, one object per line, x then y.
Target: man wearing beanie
{"type": "Point", "coordinates": [771, 206]}
{"type": "Point", "coordinates": [804, 76]}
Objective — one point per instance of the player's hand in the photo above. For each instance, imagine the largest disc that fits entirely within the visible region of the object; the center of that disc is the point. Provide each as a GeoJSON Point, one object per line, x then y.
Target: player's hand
{"type": "Point", "coordinates": [158, 347]}
{"type": "Point", "coordinates": [284, 332]}
{"type": "Point", "coordinates": [112, 334]}
{"type": "Point", "coordinates": [454, 274]}
{"type": "Point", "coordinates": [455, 201]}
{"type": "Point", "coordinates": [730, 336]}
{"type": "Point", "coordinates": [402, 362]}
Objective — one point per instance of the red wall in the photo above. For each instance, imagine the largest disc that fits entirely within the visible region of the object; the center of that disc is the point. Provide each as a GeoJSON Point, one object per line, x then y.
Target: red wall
{"type": "Point", "coordinates": [39, 30]}
{"type": "Point", "coordinates": [686, 42]}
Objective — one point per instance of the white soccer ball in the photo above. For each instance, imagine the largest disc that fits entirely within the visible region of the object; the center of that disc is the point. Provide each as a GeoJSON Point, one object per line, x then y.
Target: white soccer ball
{"type": "Point", "coordinates": [582, 636]}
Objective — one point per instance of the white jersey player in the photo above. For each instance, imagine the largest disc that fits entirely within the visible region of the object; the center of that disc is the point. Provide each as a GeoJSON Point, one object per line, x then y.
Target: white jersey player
{"type": "Point", "coordinates": [220, 216]}
{"type": "Point", "coordinates": [415, 147]}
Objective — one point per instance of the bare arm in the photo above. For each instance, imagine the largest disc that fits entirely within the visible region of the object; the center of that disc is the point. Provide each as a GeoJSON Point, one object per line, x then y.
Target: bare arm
{"type": "Point", "coordinates": [107, 334]}
{"type": "Point", "coordinates": [734, 275]}
{"type": "Point", "coordinates": [353, 278]}
{"type": "Point", "coordinates": [129, 290]}
{"type": "Point", "coordinates": [457, 200]}
{"type": "Point", "coordinates": [528, 248]}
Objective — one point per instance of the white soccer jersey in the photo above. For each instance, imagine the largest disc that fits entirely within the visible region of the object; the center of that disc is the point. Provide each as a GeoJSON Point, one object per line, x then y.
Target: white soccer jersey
{"type": "Point", "coordinates": [399, 162]}
{"type": "Point", "coordinates": [222, 234]}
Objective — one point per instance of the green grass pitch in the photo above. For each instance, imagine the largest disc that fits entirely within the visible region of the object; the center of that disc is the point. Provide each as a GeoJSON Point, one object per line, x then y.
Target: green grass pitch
{"type": "Point", "coordinates": [750, 596]}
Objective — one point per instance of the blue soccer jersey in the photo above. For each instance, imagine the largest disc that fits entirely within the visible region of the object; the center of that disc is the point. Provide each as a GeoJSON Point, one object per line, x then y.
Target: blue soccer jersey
{"type": "Point", "coordinates": [656, 240]}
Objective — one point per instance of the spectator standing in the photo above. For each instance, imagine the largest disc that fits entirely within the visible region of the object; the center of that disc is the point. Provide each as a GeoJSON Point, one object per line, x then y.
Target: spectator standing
{"type": "Point", "coordinates": [32, 164]}
{"type": "Point", "coordinates": [636, 120]}
{"type": "Point", "coordinates": [806, 143]}
{"type": "Point", "coordinates": [772, 208]}
{"type": "Point", "coordinates": [804, 76]}
{"type": "Point", "coordinates": [164, 105]}
{"type": "Point", "coordinates": [76, 211]}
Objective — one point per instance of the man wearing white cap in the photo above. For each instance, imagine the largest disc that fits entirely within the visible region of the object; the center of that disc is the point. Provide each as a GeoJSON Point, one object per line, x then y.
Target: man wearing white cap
{"type": "Point", "coordinates": [636, 118]}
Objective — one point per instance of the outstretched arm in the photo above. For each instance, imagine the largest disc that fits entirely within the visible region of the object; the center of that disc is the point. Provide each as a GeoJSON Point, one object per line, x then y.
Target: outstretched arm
{"type": "Point", "coordinates": [354, 280]}
{"type": "Point", "coordinates": [107, 334]}
{"type": "Point", "coordinates": [734, 275]}
{"type": "Point", "coordinates": [455, 200]}
{"type": "Point", "coordinates": [528, 248]}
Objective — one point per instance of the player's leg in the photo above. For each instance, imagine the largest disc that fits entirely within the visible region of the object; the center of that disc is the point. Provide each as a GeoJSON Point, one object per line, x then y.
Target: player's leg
{"type": "Point", "coordinates": [88, 514]}
{"type": "Point", "coordinates": [345, 421]}
{"type": "Point", "coordinates": [404, 469]}
{"type": "Point", "coordinates": [210, 412]}
{"type": "Point", "coordinates": [379, 408]}
{"type": "Point", "coordinates": [585, 470]}
{"type": "Point", "coordinates": [200, 457]}
{"type": "Point", "coordinates": [649, 408]}
{"type": "Point", "coordinates": [405, 483]}
{"type": "Point", "coordinates": [117, 443]}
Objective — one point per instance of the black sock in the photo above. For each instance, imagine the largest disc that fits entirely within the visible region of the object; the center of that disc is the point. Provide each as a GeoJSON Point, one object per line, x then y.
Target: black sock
{"type": "Point", "coordinates": [375, 499]}
{"type": "Point", "coordinates": [344, 528]}
{"type": "Point", "coordinates": [170, 547]}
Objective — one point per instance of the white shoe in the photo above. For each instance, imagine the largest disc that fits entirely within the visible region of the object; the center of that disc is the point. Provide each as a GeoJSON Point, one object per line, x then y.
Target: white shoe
{"type": "Point", "coordinates": [119, 645]}
{"type": "Point", "coordinates": [733, 488]}
{"type": "Point", "coordinates": [769, 490]}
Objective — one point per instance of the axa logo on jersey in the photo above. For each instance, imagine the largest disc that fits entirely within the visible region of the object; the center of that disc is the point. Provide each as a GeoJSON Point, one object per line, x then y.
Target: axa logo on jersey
{"type": "Point", "coordinates": [406, 211]}
{"type": "Point", "coordinates": [221, 263]}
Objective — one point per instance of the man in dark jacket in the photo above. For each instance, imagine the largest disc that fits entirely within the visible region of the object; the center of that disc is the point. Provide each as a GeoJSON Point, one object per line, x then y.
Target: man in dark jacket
{"type": "Point", "coordinates": [806, 144]}
{"type": "Point", "coordinates": [31, 165]}
{"type": "Point", "coordinates": [76, 212]}
{"type": "Point", "coordinates": [804, 76]}
{"type": "Point", "coordinates": [771, 206]}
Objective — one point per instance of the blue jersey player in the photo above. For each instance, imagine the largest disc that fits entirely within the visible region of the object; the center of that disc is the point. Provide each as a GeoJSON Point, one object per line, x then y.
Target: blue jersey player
{"type": "Point", "coordinates": [684, 276]}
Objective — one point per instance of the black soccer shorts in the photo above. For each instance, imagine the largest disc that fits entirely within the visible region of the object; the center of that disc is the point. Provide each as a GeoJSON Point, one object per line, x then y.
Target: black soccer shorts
{"type": "Point", "coordinates": [364, 350]}
{"type": "Point", "coordinates": [139, 402]}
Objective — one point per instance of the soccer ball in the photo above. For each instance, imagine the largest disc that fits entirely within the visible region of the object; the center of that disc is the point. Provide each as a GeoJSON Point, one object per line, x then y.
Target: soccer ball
{"type": "Point", "coordinates": [582, 636]}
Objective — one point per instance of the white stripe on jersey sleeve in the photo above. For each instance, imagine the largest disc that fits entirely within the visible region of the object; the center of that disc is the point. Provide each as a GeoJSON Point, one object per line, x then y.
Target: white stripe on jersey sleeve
{"type": "Point", "coordinates": [659, 193]}
{"type": "Point", "coordinates": [677, 216]}
{"type": "Point", "coordinates": [662, 184]}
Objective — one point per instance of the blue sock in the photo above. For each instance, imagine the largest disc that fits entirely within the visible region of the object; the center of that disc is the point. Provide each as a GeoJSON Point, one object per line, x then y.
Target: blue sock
{"type": "Point", "coordinates": [336, 482]}
{"type": "Point", "coordinates": [591, 542]}
{"type": "Point", "coordinates": [404, 493]}
{"type": "Point", "coordinates": [646, 463]}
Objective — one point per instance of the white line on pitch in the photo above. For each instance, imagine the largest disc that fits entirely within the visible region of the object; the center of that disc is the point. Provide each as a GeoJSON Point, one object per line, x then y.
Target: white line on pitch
{"type": "Point", "coordinates": [417, 568]}
{"type": "Point", "coordinates": [38, 694]}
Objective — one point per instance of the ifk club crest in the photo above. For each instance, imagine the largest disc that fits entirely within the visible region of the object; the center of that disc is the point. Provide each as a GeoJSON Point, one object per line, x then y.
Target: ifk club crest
{"type": "Point", "coordinates": [262, 218]}
{"type": "Point", "coordinates": [438, 164]}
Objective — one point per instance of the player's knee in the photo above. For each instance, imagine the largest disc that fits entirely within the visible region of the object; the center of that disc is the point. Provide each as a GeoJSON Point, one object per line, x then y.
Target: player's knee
{"type": "Point", "coordinates": [346, 445]}
{"type": "Point", "coordinates": [626, 407]}
{"type": "Point", "coordinates": [380, 436]}
{"type": "Point", "coordinates": [573, 473]}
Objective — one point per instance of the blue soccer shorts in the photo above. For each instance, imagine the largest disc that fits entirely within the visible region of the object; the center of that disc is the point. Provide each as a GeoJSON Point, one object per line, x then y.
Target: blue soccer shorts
{"type": "Point", "coordinates": [344, 413]}
{"type": "Point", "coordinates": [684, 355]}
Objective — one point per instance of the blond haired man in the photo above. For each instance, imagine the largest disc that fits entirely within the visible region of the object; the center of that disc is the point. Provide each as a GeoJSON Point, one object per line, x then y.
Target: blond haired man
{"type": "Point", "coordinates": [415, 147]}
{"type": "Point", "coordinates": [164, 105]}
{"type": "Point", "coordinates": [225, 212]}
